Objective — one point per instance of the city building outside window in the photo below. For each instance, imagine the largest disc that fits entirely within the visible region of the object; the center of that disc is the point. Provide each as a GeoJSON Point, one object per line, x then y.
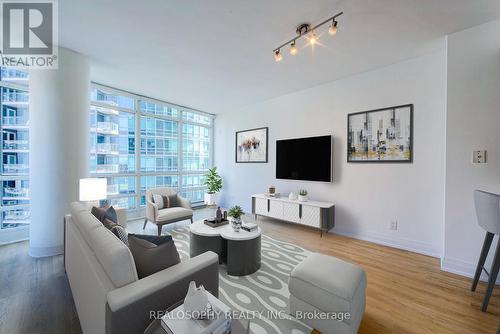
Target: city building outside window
{"type": "Point", "coordinates": [139, 143]}
{"type": "Point", "coordinates": [14, 100]}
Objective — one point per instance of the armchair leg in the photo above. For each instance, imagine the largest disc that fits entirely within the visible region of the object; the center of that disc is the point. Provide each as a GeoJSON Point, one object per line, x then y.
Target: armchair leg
{"type": "Point", "coordinates": [145, 222]}
{"type": "Point", "coordinates": [159, 230]}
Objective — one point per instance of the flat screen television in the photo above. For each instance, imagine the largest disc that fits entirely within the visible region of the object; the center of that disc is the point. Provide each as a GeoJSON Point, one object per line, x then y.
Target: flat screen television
{"type": "Point", "coordinates": [305, 159]}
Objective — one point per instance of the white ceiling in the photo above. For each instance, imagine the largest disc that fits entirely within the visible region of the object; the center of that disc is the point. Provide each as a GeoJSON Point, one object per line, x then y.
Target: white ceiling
{"type": "Point", "coordinates": [216, 55]}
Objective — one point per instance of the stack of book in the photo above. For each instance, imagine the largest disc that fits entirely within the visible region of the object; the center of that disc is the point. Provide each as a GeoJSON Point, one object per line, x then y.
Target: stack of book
{"type": "Point", "coordinates": [178, 320]}
{"type": "Point", "coordinates": [249, 227]}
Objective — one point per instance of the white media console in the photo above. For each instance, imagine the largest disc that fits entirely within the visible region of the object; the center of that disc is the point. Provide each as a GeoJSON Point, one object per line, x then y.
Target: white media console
{"type": "Point", "coordinates": [320, 215]}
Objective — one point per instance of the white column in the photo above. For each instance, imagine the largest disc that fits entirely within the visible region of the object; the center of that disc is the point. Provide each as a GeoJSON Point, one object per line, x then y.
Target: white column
{"type": "Point", "coordinates": [59, 147]}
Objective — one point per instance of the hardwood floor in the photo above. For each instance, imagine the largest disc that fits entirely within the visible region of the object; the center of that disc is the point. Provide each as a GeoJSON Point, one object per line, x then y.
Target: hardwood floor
{"type": "Point", "coordinates": [34, 294]}
{"type": "Point", "coordinates": [406, 293]}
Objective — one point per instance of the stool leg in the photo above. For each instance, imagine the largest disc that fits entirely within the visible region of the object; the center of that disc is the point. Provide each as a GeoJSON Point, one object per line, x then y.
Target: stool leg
{"type": "Point", "coordinates": [484, 253]}
{"type": "Point", "coordinates": [493, 278]}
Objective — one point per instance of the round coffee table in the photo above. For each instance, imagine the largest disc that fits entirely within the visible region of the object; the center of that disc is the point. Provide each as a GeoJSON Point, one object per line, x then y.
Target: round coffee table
{"type": "Point", "coordinates": [239, 250]}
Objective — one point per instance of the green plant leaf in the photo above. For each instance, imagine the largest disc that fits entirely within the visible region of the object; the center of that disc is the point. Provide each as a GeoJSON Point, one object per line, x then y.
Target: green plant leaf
{"type": "Point", "coordinates": [213, 181]}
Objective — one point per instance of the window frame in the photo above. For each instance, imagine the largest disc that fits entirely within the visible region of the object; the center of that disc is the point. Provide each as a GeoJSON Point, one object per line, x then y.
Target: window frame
{"type": "Point", "coordinates": [139, 211]}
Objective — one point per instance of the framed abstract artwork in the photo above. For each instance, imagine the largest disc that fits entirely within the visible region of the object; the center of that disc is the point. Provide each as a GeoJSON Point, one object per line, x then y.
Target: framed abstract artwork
{"type": "Point", "coordinates": [252, 145]}
{"type": "Point", "coordinates": [381, 135]}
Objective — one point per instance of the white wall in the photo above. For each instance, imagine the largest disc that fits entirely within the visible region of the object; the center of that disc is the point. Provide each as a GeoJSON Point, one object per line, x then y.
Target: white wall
{"type": "Point", "coordinates": [473, 122]}
{"type": "Point", "coordinates": [367, 196]}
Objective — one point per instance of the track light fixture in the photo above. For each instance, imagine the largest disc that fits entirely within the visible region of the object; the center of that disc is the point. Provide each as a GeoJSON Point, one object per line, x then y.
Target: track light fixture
{"type": "Point", "coordinates": [333, 28]}
{"type": "Point", "coordinates": [313, 39]}
{"type": "Point", "coordinates": [303, 30]}
{"type": "Point", "coordinates": [293, 49]}
{"type": "Point", "coordinates": [277, 55]}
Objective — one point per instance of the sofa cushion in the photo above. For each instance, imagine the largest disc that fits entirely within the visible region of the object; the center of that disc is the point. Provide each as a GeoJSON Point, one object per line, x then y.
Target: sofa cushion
{"type": "Point", "coordinates": [174, 213]}
{"type": "Point", "coordinates": [327, 283]}
{"type": "Point", "coordinates": [84, 220]}
{"type": "Point", "coordinates": [152, 253]}
{"type": "Point", "coordinates": [113, 255]}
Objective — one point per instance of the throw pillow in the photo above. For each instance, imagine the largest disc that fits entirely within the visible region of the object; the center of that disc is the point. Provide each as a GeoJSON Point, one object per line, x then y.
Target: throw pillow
{"type": "Point", "coordinates": [121, 233]}
{"type": "Point", "coordinates": [152, 253]}
{"type": "Point", "coordinates": [99, 212]}
{"type": "Point", "coordinates": [158, 200]}
{"type": "Point", "coordinates": [105, 212]}
{"type": "Point", "coordinates": [111, 215]}
{"type": "Point", "coordinates": [171, 201]}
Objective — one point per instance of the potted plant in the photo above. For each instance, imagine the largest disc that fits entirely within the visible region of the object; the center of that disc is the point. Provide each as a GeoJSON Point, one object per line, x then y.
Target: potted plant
{"type": "Point", "coordinates": [213, 181]}
{"type": "Point", "coordinates": [302, 195]}
{"type": "Point", "coordinates": [235, 213]}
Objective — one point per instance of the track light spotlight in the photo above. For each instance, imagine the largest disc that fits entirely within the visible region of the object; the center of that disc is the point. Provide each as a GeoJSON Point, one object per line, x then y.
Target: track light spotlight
{"type": "Point", "coordinates": [333, 28]}
{"type": "Point", "coordinates": [277, 55]}
{"type": "Point", "coordinates": [313, 39]}
{"type": "Point", "coordinates": [293, 49]}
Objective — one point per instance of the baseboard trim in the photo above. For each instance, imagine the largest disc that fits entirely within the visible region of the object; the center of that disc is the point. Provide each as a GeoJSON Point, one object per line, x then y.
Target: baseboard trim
{"type": "Point", "coordinates": [400, 243]}
{"type": "Point", "coordinates": [463, 268]}
{"type": "Point", "coordinates": [46, 251]}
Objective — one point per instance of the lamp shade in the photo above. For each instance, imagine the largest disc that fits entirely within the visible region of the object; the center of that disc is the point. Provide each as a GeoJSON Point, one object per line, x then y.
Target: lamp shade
{"type": "Point", "coordinates": [93, 189]}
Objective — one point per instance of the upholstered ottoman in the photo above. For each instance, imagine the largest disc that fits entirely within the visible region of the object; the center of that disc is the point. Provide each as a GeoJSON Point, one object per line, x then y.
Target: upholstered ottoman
{"type": "Point", "coordinates": [328, 294]}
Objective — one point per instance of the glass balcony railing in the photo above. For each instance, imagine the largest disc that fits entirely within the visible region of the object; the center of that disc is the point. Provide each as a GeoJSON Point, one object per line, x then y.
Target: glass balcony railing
{"type": "Point", "coordinates": [15, 145]}
{"type": "Point", "coordinates": [16, 216]}
{"type": "Point", "coordinates": [107, 128]}
{"type": "Point", "coordinates": [15, 97]}
{"type": "Point", "coordinates": [15, 168]}
{"type": "Point", "coordinates": [102, 110]}
{"type": "Point", "coordinates": [107, 168]}
{"type": "Point", "coordinates": [9, 74]}
{"type": "Point", "coordinates": [15, 120]}
{"type": "Point", "coordinates": [15, 192]}
{"type": "Point", "coordinates": [113, 189]}
{"type": "Point", "coordinates": [107, 148]}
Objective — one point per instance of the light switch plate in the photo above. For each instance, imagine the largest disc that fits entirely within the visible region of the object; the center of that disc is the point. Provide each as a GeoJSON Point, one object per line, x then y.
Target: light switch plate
{"type": "Point", "coordinates": [479, 157]}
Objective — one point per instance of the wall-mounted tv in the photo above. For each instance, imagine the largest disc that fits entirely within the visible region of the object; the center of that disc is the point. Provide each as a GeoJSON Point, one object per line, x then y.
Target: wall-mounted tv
{"type": "Point", "coordinates": [305, 159]}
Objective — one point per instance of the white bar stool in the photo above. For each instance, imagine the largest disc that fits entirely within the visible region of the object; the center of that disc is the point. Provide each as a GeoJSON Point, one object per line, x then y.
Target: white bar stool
{"type": "Point", "coordinates": [488, 217]}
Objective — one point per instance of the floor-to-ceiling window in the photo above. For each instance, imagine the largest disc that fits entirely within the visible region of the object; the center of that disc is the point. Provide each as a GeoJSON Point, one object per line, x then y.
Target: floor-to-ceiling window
{"type": "Point", "coordinates": [15, 213]}
{"type": "Point", "coordinates": [139, 143]}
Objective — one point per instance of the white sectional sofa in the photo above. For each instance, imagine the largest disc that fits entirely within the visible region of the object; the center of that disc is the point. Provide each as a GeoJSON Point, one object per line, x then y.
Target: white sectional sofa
{"type": "Point", "coordinates": [108, 295]}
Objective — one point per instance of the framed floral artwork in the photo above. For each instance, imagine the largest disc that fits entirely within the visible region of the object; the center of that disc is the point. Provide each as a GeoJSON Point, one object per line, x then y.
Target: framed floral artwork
{"type": "Point", "coordinates": [252, 145]}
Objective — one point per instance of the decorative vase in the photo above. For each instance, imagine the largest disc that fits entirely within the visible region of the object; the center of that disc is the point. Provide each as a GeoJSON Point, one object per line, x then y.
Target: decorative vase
{"type": "Point", "coordinates": [218, 215]}
{"type": "Point", "coordinates": [236, 224]}
{"type": "Point", "coordinates": [302, 198]}
{"type": "Point", "coordinates": [210, 199]}
{"type": "Point", "coordinates": [292, 196]}
{"type": "Point", "coordinates": [196, 300]}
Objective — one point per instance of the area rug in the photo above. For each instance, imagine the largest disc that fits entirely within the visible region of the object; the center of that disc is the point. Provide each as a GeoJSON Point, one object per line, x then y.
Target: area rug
{"type": "Point", "coordinates": [262, 296]}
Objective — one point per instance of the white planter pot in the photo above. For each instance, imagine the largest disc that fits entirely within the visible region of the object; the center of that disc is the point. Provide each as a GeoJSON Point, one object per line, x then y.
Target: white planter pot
{"type": "Point", "coordinates": [210, 199]}
{"type": "Point", "coordinates": [236, 224]}
{"type": "Point", "coordinates": [302, 198]}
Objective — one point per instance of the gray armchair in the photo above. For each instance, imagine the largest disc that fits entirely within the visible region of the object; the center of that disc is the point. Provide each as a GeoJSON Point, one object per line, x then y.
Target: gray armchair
{"type": "Point", "coordinates": [181, 209]}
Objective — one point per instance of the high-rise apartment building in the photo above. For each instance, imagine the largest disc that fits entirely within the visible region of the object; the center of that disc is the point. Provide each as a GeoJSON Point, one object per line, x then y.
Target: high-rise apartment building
{"type": "Point", "coordinates": [138, 143]}
{"type": "Point", "coordinates": [15, 213]}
